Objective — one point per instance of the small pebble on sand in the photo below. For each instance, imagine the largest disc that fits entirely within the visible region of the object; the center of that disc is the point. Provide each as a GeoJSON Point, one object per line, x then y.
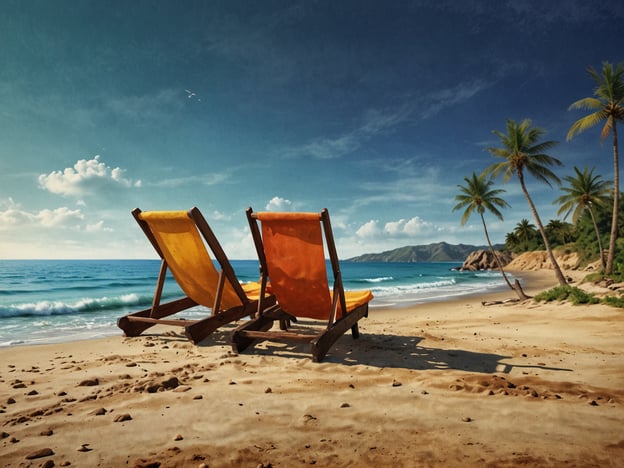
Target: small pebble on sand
{"type": "Point", "coordinates": [44, 452]}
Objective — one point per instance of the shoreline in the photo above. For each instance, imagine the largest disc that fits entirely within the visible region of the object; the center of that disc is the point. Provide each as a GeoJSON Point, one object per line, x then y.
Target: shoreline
{"type": "Point", "coordinates": [538, 280]}
{"type": "Point", "coordinates": [451, 383]}
{"type": "Point", "coordinates": [79, 308]}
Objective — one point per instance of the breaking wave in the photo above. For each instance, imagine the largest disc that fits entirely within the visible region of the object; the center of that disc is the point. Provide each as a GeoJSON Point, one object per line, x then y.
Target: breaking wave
{"type": "Point", "coordinates": [86, 305]}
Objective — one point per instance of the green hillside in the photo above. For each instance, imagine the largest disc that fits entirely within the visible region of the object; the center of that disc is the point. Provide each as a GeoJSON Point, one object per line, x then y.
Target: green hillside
{"type": "Point", "coordinates": [438, 252]}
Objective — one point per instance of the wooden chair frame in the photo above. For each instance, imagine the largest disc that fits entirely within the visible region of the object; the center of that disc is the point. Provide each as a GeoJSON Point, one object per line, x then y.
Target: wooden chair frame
{"type": "Point", "coordinates": [195, 330]}
{"type": "Point", "coordinates": [258, 329]}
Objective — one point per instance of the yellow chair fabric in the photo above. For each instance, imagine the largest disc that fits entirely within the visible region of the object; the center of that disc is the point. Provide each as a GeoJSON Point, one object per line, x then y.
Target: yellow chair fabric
{"type": "Point", "coordinates": [185, 253]}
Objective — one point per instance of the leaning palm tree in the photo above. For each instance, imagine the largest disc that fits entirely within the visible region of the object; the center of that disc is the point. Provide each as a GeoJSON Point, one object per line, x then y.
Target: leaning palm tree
{"type": "Point", "coordinates": [477, 196]}
{"type": "Point", "coordinates": [522, 151]}
{"type": "Point", "coordinates": [607, 106]}
{"type": "Point", "coordinates": [585, 192]}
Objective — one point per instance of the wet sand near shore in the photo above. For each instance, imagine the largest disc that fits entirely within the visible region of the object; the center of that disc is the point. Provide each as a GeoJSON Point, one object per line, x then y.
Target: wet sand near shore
{"type": "Point", "coordinates": [450, 383]}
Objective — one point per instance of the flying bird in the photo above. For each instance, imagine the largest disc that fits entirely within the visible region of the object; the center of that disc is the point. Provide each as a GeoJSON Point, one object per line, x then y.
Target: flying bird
{"type": "Point", "coordinates": [190, 93]}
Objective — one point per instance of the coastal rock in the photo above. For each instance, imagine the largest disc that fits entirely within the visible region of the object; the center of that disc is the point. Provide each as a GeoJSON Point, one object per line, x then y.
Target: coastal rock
{"type": "Point", "coordinates": [484, 260]}
{"type": "Point", "coordinates": [538, 260]}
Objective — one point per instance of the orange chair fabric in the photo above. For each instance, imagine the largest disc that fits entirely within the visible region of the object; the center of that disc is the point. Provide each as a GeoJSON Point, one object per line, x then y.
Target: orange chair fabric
{"type": "Point", "coordinates": [295, 256]}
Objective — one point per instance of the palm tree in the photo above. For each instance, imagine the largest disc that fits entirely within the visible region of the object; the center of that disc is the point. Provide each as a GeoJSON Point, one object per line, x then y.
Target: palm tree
{"type": "Point", "coordinates": [585, 191]}
{"type": "Point", "coordinates": [525, 231]}
{"type": "Point", "coordinates": [522, 151]}
{"type": "Point", "coordinates": [607, 106]}
{"type": "Point", "coordinates": [478, 196]}
{"type": "Point", "coordinates": [560, 231]}
{"type": "Point", "coordinates": [511, 241]}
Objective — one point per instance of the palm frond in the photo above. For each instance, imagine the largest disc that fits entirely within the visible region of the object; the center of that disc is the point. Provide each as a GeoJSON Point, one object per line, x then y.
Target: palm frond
{"type": "Point", "coordinates": [607, 101]}
{"type": "Point", "coordinates": [542, 174]}
{"type": "Point", "coordinates": [606, 130]}
{"type": "Point", "coordinates": [477, 195]}
{"type": "Point", "coordinates": [544, 160]}
{"type": "Point", "coordinates": [466, 216]}
{"type": "Point", "coordinates": [583, 191]}
{"type": "Point", "coordinates": [588, 103]}
{"type": "Point", "coordinates": [542, 147]}
{"type": "Point", "coordinates": [521, 148]}
{"type": "Point", "coordinates": [586, 122]}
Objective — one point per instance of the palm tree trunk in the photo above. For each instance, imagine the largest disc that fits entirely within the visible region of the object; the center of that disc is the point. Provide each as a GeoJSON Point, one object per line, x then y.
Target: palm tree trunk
{"type": "Point", "coordinates": [602, 258]}
{"type": "Point", "coordinates": [616, 202]}
{"type": "Point", "coordinates": [553, 261]}
{"type": "Point", "coordinates": [517, 287]}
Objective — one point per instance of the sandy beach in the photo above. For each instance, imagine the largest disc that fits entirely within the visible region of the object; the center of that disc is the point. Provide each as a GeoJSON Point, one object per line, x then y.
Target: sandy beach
{"type": "Point", "coordinates": [442, 384]}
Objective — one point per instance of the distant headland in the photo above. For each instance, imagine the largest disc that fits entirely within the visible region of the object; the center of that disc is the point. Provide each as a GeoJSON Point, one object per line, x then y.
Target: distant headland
{"type": "Point", "coordinates": [436, 252]}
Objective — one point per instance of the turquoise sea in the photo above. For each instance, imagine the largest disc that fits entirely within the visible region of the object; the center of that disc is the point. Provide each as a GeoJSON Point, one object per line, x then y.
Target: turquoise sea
{"type": "Point", "coordinates": [45, 301]}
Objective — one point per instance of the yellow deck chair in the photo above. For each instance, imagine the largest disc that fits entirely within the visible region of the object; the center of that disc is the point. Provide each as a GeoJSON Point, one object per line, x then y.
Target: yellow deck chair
{"type": "Point", "coordinates": [175, 235]}
{"type": "Point", "coordinates": [293, 268]}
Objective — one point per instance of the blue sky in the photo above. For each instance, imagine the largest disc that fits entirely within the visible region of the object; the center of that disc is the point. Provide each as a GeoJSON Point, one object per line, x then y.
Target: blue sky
{"type": "Point", "coordinates": [376, 110]}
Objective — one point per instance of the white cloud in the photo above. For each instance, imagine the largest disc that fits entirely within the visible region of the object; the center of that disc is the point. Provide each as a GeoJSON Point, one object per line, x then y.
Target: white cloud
{"type": "Point", "coordinates": [400, 229]}
{"type": "Point", "coordinates": [375, 122]}
{"type": "Point", "coordinates": [410, 227]}
{"type": "Point", "coordinates": [219, 216]}
{"type": "Point", "coordinates": [378, 122]}
{"type": "Point", "coordinates": [278, 204]}
{"type": "Point", "coordinates": [327, 148]}
{"type": "Point", "coordinates": [14, 217]}
{"type": "Point", "coordinates": [238, 244]}
{"type": "Point", "coordinates": [204, 179]}
{"type": "Point", "coordinates": [85, 175]}
{"type": "Point", "coordinates": [444, 98]}
{"type": "Point", "coordinates": [369, 229]}
{"type": "Point", "coordinates": [97, 227]}
{"type": "Point", "coordinates": [59, 217]}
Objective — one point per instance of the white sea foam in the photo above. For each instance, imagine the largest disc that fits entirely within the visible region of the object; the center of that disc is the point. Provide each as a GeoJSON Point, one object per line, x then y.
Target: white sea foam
{"type": "Point", "coordinates": [418, 293]}
{"type": "Point", "coordinates": [45, 308]}
{"type": "Point", "coordinates": [378, 280]}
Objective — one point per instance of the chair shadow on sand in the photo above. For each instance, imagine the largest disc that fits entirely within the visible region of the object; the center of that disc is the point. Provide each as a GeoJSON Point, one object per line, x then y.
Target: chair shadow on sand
{"type": "Point", "coordinates": [382, 351]}
{"type": "Point", "coordinates": [396, 351]}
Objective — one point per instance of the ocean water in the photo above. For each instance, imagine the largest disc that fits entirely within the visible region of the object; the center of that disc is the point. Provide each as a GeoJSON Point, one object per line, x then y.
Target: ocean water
{"type": "Point", "coordinates": [46, 301]}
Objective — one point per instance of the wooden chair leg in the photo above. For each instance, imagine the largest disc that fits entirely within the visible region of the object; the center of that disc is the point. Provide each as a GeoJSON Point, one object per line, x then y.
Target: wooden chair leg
{"type": "Point", "coordinates": [132, 325]}
{"type": "Point", "coordinates": [196, 332]}
{"type": "Point", "coordinates": [131, 328]}
{"type": "Point", "coordinates": [321, 345]}
{"type": "Point", "coordinates": [240, 342]}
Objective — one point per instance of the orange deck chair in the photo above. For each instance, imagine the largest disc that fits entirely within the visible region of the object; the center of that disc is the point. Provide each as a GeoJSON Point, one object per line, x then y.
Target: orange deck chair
{"type": "Point", "coordinates": [293, 268]}
{"type": "Point", "coordinates": [175, 235]}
